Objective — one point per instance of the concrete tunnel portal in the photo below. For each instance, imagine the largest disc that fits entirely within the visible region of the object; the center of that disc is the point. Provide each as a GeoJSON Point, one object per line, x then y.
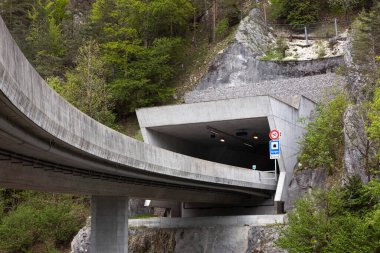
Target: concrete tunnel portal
{"type": "Point", "coordinates": [241, 143]}
{"type": "Point", "coordinates": [232, 132]}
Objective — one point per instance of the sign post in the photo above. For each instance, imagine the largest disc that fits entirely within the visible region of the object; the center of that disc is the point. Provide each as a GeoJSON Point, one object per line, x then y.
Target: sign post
{"type": "Point", "coordinates": [274, 148]}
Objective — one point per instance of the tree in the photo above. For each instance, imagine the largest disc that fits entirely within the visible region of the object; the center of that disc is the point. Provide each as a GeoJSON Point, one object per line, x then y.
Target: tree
{"type": "Point", "coordinates": [46, 37]}
{"type": "Point", "coordinates": [86, 86]}
{"type": "Point", "coordinates": [14, 14]}
{"type": "Point", "coordinates": [138, 47]}
{"type": "Point", "coordinates": [345, 5]}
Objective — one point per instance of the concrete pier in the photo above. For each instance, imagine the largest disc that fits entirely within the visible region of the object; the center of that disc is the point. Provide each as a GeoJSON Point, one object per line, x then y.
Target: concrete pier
{"type": "Point", "coordinates": [109, 224]}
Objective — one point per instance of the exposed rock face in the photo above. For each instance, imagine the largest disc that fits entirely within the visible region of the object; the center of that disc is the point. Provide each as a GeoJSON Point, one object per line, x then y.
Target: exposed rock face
{"type": "Point", "coordinates": [151, 241]}
{"type": "Point", "coordinates": [240, 65]}
{"type": "Point", "coordinates": [261, 240]}
{"type": "Point", "coordinates": [215, 239]}
{"type": "Point", "coordinates": [81, 242]}
{"type": "Point", "coordinates": [356, 145]}
{"type": "Point", "coordinates": [302, 182]}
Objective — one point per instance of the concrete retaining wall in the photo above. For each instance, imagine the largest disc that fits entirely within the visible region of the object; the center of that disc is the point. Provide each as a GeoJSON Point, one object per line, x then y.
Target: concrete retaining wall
{"type": "Point", "coordinates": [244, 220]}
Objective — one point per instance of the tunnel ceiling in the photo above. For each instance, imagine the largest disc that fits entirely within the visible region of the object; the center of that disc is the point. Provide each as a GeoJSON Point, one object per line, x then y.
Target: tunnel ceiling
{"type": "Point", "coordinates": [201, 133]}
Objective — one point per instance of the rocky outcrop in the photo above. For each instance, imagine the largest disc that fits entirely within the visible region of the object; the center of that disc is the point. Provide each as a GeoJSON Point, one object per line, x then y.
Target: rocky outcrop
{"type": "Point", "coordinates": [239, 63]}
{"type": "Point", "coordinates": [210, 239]}
{"type": "Point", "coordinates": [81, 242]}
{"type": "Point", "coordinates": [151, 240]}
{"type": "Point", "coordinates": [216, 239]}
{"type": "Point", "coordinates": [356, 150]}
{"type": "Point", "coordinates": [304, 181]}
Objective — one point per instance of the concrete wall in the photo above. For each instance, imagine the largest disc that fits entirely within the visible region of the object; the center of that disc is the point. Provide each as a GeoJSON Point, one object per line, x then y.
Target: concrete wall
{"type": "Point", "coordinates": [281, 116]}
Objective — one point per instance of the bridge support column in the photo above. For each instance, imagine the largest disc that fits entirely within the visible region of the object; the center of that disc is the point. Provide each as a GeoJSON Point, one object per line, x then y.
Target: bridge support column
{"type": "Point", "coordinates": [109, 224]}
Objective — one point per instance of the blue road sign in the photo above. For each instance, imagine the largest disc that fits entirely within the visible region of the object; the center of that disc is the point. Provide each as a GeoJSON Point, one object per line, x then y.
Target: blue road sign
{"type": "Point", "coordinates": [274, 149]}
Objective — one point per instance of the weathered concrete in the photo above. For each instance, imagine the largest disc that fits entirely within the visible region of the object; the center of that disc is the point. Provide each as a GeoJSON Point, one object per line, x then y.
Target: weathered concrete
{"type": "Point", "coordinates": [279, 115]}
{"type": "Point", "coordinates": [109, 224]}
{"type": "Point", "coordinates": [243, 220]}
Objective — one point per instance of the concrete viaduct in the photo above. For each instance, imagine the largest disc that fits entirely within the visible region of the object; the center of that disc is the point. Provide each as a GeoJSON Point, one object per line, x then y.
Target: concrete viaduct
{"type": "Point", "coordinates": [47, 144]}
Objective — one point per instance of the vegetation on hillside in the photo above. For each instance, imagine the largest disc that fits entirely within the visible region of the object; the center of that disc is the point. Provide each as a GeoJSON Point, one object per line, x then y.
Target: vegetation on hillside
{"type": "Point", "coordinates": [343, 218]}
{"type": "Point", "coordinates": [39, 222]}
{"type": "Point", "coordinates": [340, 220]}
{"type": "Point", "coordinates": [302, 12]}
{"type": "Point", "coordinates": [130, 51]}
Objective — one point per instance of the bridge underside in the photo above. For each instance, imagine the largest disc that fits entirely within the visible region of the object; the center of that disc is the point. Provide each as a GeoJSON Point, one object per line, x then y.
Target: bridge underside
{"type": "Point", "coordinates": [30, 158]}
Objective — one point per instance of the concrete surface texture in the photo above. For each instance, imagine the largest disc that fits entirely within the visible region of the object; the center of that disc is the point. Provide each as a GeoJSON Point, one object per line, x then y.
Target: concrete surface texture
{"type": "Point", "coordinates": [57, 131]}
{"type": "Point", "coordinates": [276, 113]}
{"type": "Point", "coordinates": [109, 224]}
{"type": "Point", "coordinates": [194, 222]}
{"type": "Point", "coordinates": [239, 64]}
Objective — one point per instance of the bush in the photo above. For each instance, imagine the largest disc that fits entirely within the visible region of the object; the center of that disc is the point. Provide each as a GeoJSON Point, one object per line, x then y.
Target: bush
{"type": "Point", "coordinates": [322, 145]}
{"type": "Point", "coordinates": [221, 29]}
{"type": "Point", "coordinates": [277, 51]}
{"type": "Point", "coordinates": [47, 219]}
{"type": "Point", "coordinates": [321, 222]}
{"type": "Point", "coordinates": [321, 49]}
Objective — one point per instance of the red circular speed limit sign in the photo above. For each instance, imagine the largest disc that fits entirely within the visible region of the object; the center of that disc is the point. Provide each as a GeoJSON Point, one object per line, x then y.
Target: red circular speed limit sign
{"type": "Point", "coordinates": [274, 135]}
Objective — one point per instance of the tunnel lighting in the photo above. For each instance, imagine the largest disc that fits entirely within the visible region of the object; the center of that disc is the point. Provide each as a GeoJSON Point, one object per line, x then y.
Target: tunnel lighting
{"type": "Point", "coordinates": [247, 144]}
{"type": "Point", "coordinates": [255, 137]}
{"type": "Point", "coordinates": [222, 140]}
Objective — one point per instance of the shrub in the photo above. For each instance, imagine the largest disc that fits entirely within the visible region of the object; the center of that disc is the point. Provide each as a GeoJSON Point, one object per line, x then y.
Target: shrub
{"type": "Point", "coordinates": [221, 29]}
{"type": "Point", "coordinates": [41, 218]}
{"type": "Point", "coordinates": [277, 51]}
{"type": "Point", "coordinates": [321, 49]}
{"type": "Point", "coordinates": [321, 222]}
{"type": "Point", "coordinates": [322, 145]}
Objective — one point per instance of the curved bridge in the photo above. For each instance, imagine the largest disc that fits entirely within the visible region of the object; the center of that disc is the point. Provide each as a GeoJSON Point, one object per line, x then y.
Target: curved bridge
{"type": "Point", "coordinates": [47, 144]}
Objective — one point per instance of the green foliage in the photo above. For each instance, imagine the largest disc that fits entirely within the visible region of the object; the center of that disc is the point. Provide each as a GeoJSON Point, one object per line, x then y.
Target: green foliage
{"type": "Point", "coordinates": [296, 12]}
{"type": "Point", "coordinates": [15, 15]}
{"type": "Point", "coordinates": [322, 145]}
{"type": "Point", "coordinates": [140, 48]}
{"type": "Point", "coordinates": [321, 49]}
{"type": "Point", "coordinates": [323, 222]}
{"type": "Point", "coordinates": [86, 86]}
{"type": "Point", "coordinates": [374, 118]}
{"type": "Point", "coordinates": [221, 29]}
{"type": "Point", "coordinates": [46, 36]}
{"type": "Point", "coordinates": [276, 51]}
{"type": "Point", "coordinates": [303, 12]}
{"type": "Point", "coordinates": [345, 5]}
{"type": "Point", "coordinates": [39, 218]}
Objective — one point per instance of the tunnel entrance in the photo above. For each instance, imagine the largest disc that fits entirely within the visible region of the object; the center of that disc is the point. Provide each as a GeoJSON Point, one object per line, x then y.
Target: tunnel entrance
{"type": "Point", "coordinates": [242, 143]}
